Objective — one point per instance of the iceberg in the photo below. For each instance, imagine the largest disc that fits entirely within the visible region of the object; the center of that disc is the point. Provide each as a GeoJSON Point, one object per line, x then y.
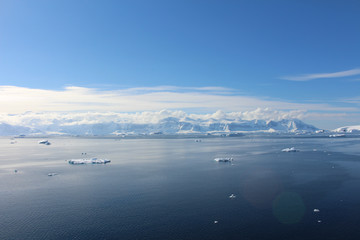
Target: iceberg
{"type": "Point", "coordinates": [223, 159]}
{"type": "Point", "coordinates": [46, 142]}
{"type": "Point", "coordinates": [88, 161]}
{"type": "Point", "coordinates": [292, 149]}
{"type": "Point", "coordinates": [337, 135]}
{"type": "Point", "coordinates": [232, 196]}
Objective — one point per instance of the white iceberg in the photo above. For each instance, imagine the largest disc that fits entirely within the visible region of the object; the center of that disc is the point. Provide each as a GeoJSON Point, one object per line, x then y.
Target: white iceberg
{"type": "Point", "coordinates": [223, 159]}
{"type": "Point", "coordinates": [89, 161]}
{"type": "Point", "coordinates": [232, 196]}
{"type": "Point", "coordinates": [292, 149]}
{"type": "Point", "coordinates": [46, 142]}
{"type": "Point", "coordinates": [337, 135]}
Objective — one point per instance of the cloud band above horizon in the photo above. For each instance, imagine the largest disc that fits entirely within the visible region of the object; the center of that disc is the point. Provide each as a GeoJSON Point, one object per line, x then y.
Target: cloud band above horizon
{"type": "Point", "coordinates": [202, 100]}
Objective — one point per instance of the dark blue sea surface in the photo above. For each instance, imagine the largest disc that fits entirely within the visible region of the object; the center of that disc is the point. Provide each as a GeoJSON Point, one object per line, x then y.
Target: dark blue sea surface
{"type": "Point", "coordinates": [173, 189]}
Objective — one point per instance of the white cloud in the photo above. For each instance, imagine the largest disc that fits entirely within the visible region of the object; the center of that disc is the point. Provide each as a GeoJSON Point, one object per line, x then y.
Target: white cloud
{"type": "Point", "coordinates": [74, 104]}
{"type": "Point", "coordinates": [204, 100]}
{"type": "Point", "coordinates": [307, 77]}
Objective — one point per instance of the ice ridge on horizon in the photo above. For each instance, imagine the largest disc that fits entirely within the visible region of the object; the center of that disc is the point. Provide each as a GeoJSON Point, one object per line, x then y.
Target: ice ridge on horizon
{"type": "Point", "coordinates": [169, 125]}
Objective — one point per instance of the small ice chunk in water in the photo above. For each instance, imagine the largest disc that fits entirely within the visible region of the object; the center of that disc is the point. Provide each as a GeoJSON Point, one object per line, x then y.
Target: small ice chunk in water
{"type": "Point", "coordinates": [88, 161]}
{"type": "Point", "coordinates": [224, 159]}
{"type": "Point", "coordinates": [45, 142]}
{"type": "Point", "coordinates": [215, 222]}
{"type": "Point", "coordinates": [292, 149]}
{"type": "Point", "coordinates": [232, 196]}
{"type": "Point", "coordinates": [316, 210]}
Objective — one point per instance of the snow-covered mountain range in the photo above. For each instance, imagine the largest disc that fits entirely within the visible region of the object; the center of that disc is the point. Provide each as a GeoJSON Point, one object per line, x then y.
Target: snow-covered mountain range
{"type": "Point", "coordinates": [348, 129]}
{"type": "Point", "coordinates": [163, 122]}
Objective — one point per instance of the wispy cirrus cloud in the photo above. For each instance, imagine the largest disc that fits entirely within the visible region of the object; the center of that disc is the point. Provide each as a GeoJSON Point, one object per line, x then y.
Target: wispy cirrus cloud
{"type": "Point", "coordinates": [212, 89]}
{"type": "Point", "coordinates": [354, 100]}
{"type": "Point", "coordinates": [308, 77]}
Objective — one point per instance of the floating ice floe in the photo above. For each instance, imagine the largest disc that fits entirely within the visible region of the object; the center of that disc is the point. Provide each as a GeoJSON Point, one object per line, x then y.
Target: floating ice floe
{"type": "Point", "coordinates": [232, 196]}
{"type": "Point", "coordinates": [89, 161]}
{"type": "Point", "coordinates": [223, 159]}
{"type": "Point", "coordinates": [292, 149]}
{"type": "Point", "coordinates": [215, 222]}
{"type": "Point", "coordinates": [46, 142]}
{"type": "Point", "coordinates": [337, 135]}
{"type": "Point", "coordinates": [316, 210]}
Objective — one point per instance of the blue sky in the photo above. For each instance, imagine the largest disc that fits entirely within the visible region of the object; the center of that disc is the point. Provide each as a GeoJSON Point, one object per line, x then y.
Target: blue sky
{"type": "Point", "coordinates": [294, 52]}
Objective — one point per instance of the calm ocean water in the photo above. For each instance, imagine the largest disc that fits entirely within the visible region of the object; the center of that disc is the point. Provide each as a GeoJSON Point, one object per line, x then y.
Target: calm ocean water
{"type": "Point", "coordinates": [173, 189]}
